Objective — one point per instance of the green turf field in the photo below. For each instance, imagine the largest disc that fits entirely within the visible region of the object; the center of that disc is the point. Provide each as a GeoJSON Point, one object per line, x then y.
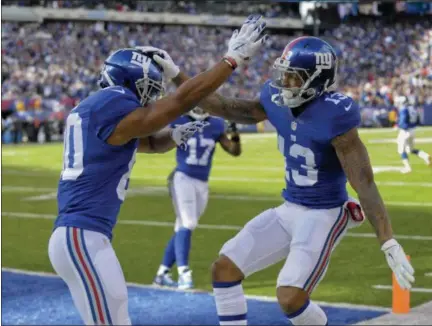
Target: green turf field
{"type": "Point", "coordinates": [240, 189]}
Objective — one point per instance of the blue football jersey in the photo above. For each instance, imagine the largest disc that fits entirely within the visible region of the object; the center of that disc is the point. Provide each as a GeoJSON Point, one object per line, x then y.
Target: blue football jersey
{"type": "Point", "coordinates": [408, 117]}
{"type": "Point", "coordinates": [196, 160]}
{"type": "Point", "coordinates": [95, 175]}
{"type": "Point", "coordinates": [314, 176]}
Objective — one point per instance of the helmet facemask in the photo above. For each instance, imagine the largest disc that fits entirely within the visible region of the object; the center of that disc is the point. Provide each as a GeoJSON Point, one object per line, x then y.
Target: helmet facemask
{"type": "Point", "coordinates": [293, 84]}
{"type": "Point", "coordinates": [148, 89]}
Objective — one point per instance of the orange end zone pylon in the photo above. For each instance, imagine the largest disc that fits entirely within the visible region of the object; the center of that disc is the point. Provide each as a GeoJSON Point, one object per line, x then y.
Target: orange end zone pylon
{"type": "Point", "coordinates": [401, 297]}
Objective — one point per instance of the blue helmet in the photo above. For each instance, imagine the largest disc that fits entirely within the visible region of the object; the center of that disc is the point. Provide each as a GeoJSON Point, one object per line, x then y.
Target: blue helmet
{"type": "Point", "coordinates": [306, 69]}
{"type": "Point", "coordinates": [136, 70]}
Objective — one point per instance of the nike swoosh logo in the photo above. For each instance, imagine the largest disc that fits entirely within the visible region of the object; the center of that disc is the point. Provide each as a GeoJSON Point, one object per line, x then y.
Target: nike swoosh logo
{"type": "Point", "coordinates": [347, 108]}
{"type": "Point", "coordinates": [121, 91]}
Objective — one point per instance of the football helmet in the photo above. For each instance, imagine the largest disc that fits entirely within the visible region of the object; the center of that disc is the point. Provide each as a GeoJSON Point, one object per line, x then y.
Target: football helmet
{"type": "Point", "coordinates": [135, 70]}
{"type": "Point", "coordinates": [305, 70]}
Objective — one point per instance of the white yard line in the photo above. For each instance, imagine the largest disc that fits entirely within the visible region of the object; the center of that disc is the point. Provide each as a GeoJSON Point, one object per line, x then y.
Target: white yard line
{"type": "Point", "coordinates": [201, 226]}
{"type": "Point", "coordinates": [235, 179]}
{"type": "Point", "coordinates": [162, 191]}
{"type": "Point", "coordinates": [418, 140]}
{"type": "Point", "coordinates": [389, 287]}
{"type": "Point", "coordinates": [26, 189]}
{"type": "Point", "coordinates": [252, 297]}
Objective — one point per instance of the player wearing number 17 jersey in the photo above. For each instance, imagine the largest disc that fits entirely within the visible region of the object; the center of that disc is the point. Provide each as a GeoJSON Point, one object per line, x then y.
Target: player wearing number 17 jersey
{"type": "Point", "coordinates": [188, 187]}
{"type": "Point", "coordinates": [317, 136]}
{"type": "Point", "coordinates": [102, 135]}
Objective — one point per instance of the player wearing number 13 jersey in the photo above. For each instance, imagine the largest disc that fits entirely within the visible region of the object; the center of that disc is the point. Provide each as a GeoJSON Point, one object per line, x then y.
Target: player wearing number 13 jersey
{"type": "Point", "coordinates": [102, 135]}
{"type": "Point", "coordinates": [317, 136]}
{"type": "Point", "coordinates": [188, 186]}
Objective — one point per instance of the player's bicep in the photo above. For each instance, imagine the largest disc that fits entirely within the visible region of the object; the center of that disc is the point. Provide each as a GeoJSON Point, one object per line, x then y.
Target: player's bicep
{"type": "Point", "coordinates": [354, 159]}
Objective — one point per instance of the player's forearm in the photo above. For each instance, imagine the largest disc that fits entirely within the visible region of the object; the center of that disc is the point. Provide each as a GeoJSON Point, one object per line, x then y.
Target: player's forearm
{"type": "Point", "coordinates": [180, 79]}
{"type": "Point", "coordinates": [354, 159]}
{"type": "Point", "coordinates": [186, 97]}
{"type": "Point", "coordinates": [236, 110]}
{"type": "Point", "coordinates": [161, 142]}
{"type": "Point", "coordinates": [375, 211]}
{"type": "Point", "coordinates": [235, 145]}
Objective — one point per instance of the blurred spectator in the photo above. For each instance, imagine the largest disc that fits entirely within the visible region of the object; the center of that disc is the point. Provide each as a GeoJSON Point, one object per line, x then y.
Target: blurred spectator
{"type": "Point", "coordinates": [268, 9]}
{"type": "Point", "coordinates": [59, 62]}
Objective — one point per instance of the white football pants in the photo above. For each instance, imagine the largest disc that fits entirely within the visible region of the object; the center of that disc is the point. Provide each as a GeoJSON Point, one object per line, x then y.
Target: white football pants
{"type": "Point", "coordinates": [86, 261]}
{"type": "Point", "coordinates": [304, 237]}
{"type": "Point", "coordinates": [405, 141]}
{"type": "Point", "coordinates": [189, 197]}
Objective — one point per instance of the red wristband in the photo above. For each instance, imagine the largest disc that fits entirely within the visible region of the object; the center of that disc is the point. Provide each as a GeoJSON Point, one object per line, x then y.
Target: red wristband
{"type": "Point", "coordinates": [230, 61]}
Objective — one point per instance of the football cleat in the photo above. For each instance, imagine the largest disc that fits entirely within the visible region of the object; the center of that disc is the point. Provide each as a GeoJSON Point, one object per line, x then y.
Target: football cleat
{"type": "Point", "coordinates": [164, 280]}
{"type": "Point", "coordinates": [185, 280]}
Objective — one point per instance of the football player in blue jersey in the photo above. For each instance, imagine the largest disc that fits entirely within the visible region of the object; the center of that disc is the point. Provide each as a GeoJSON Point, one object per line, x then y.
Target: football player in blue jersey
{"type": "Point", "coordinates": [188, 186]}
{"type": "Point", "coordinates": [103, 134]}
{"type": "Point", "coordinates": [317, 134]}
{"type": "Point", "coordinates": [408, 118]}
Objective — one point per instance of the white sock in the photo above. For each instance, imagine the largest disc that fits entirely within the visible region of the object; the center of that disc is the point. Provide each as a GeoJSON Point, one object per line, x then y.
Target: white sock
{"type": "Point", "coordinates": [309, 314]}
{"type": "Point", "coordinates": [423, 155]}
{"type": "Point", "coordinates": [406, 164]}
{"type": "Point", "coordinates": [162, 270]}
{"type": "Point", "coordinates": [182, 269]}
{"type": "Point", "coordinates": [230, 303]}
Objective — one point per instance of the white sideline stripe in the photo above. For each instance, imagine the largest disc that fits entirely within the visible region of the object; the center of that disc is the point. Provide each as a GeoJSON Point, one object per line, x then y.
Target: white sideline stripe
{"type": "Point", "coordinates": [389, 287]}
{"type": "Point", "coordinates": [202, 226]}
{"type": "Point", "coordinates": [48, 196]}
{"type": "Point", "coordinates": [161, 191]}
{"type": "Point", "coordinates": [252, 297]}
{"type": "Point", "coordinates": [361, 130]}
{"type": "Point", "coordinates": [247, 180]}
{"type": "Point", "coordinates": [26, 189]}
{"type": "Point", "coordinates": [419, 140]}
{"type": "Point", "coordinates": [428, 274]}
{"type": "Point", "coordinates": [419, 315]}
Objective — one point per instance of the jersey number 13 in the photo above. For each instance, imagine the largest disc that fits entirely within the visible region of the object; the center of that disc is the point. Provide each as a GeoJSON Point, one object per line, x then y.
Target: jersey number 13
{"type": "Point", "coordinates": [309, 175]}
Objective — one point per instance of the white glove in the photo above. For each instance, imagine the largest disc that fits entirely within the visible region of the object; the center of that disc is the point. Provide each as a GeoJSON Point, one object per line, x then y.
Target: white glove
{"type": "Point", "coordinates": [399, 263]}
{"type": "Point", "coordinates": [170, 69]}
{"type": "Point", "coordinates": [181, 133]}
{"type": "Point", "coordinates": [244, 44]}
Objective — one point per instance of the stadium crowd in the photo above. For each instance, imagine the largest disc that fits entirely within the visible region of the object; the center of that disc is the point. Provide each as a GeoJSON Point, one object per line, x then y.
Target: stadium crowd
{"type": "Point", "coordinates": [268, 9]}
{"type": "Point", "coordinates": [47, 68]}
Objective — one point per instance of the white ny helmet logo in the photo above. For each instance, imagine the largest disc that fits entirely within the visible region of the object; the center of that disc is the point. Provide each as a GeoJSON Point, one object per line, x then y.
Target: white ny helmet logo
{"type": "Point", "coordinates": [141, 60]}
{"type": "Point", "coordinates": [323, 60]}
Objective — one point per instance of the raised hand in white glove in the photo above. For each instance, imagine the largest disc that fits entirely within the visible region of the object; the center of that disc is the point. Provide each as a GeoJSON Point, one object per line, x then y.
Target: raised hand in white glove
{"type": "Point", "coordinates": [399, 263]}
{"type": "Point", "coordinates": [170, 69]}
{"type": "Point", "coordinates": [181, 133]}
{"type": "Point", "coordinates": [244, 44]}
